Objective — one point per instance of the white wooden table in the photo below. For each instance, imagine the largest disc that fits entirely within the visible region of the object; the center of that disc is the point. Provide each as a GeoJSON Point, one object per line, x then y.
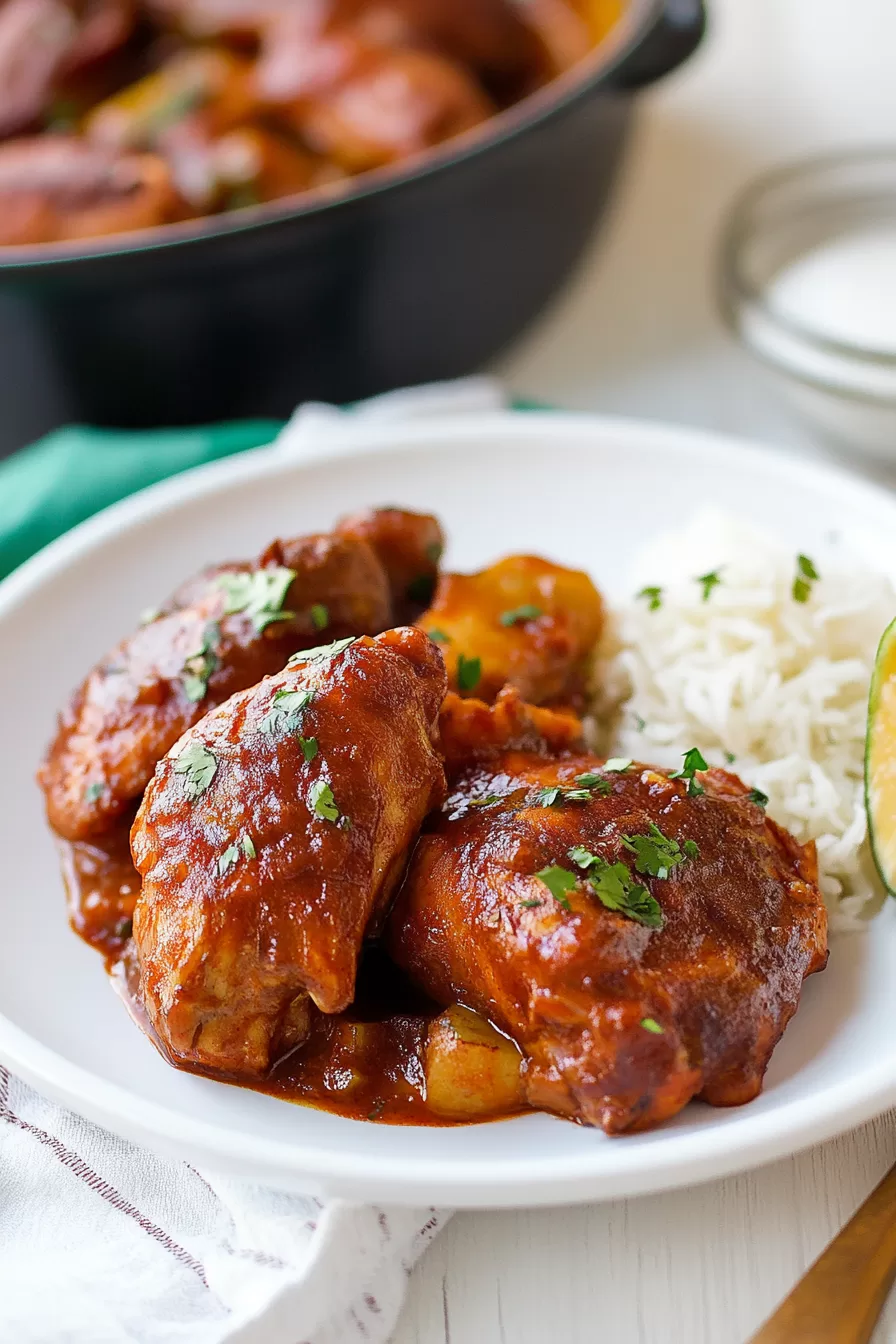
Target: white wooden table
{"type": "Point", "coordinates": [637, 334]}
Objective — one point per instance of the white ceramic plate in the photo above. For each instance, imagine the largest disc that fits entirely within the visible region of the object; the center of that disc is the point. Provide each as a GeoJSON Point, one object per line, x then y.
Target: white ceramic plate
{"type": "Point", "coordinates": [583, 491]}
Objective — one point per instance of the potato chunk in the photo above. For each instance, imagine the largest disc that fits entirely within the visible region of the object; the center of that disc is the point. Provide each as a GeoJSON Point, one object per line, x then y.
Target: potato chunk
{"type": "Point", "coordinates": [471, 1069]}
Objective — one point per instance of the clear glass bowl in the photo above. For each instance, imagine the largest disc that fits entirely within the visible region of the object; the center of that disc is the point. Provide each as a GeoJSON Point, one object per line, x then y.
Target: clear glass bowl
{"type": "Point", "coordinates": [847, 390]}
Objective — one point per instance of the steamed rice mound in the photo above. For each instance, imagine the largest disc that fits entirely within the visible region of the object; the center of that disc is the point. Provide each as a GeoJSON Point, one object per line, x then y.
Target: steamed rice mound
{"type": "Point", "coordinates": [773, 688]}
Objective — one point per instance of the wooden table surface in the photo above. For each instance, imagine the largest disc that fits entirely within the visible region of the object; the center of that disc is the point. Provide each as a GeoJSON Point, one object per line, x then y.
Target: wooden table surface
{"type": "Point", "coordinates": [637, 334]}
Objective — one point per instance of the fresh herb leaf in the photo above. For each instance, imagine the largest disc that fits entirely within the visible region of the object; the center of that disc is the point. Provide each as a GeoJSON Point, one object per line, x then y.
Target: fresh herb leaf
{"type": "Point", "coordinates": [708, 582]}
{"type": "Point", "coordinates": [322, 652]}
{"type": "Point", "coordinates": [259, 593]}
{"type": "Point", "coordinates": [519, 615]}
{"type": "Point", "coordinates": [469, 672]}
{"type": "Point", "coordinates": [559, 793]}
{"type": "Point", "coordinates": [439, 636]}
{"type": "Point", "coordinates": [320, 616]}
{"type": "Point", "coordinates": [730, 757]}
{"type": "Point", "coordinates": [583, 857]}
{"type": "Point", "coordinates": [530, 905]}
{"type": "Point", "coordinates": [613, 886]}
{"type": "Point", "coordinates": [198, 766]}
{"type": "Point", "coordinates": [320, 797]}
{"type": "Point", "coordinates": [486, 801]}
{"type": "Point", "coordinates": [650, 1024]}
{"type": "Point", "coordinates": [590, 780]}
{"type": "Point", "coordinates": [421, 588]}
{"type": "Point", "coordinates": [657, 854]}
{"type": "Point", "coordinates": [617, 765]}
{"type": "Point", "coordinates": [806, 575]}
{"type": "Point", "coordinates": [559, 882]}
{"type": "Point", "coordinates": [640, 724]}
{"type": "Point", "coordinates": [247, 845]}
{"type": "Point", "coordinates": [199, 666]}
{"type": "Point", "coordinates": [94, 791]}
{"type": "Point", "coordinates": [692, 762]}
{"type": "Point", "coordinates": [227, 859]}
{"type": "Point", "coordinates": [285, 714]}
{"type": "Point", "coordinates": [653, 596]}
{"type": "Point", "coordinates": [758, 797]}
{"type": "Point", "coordinates": [309, 748]}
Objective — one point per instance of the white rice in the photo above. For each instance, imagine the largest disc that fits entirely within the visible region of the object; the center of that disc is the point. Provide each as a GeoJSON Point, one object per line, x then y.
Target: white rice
{"type": "Point", "coordinates": [780, 685]}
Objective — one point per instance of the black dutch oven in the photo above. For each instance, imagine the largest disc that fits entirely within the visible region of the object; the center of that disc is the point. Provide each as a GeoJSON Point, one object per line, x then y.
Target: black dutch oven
{"type": "Point", "coordinates": [413, 275]}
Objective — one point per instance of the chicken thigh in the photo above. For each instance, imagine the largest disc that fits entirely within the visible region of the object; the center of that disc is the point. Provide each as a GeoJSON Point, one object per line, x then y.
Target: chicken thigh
{"type": "Point", "coordinates": [270, 841]}
{"type": "Point", "coordinates": [642, 938]}
{"type": "Point", "coordinates": [221, 632]}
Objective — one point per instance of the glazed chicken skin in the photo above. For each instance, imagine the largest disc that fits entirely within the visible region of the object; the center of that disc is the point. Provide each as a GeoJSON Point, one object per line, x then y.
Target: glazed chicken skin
{"type": "Point", "coordinates": [642, 944]}
{"type": "Point", "coordinates": [523, 622]}
{"type": "Point", "coordinates": [409, 546]}
{"type": "Point", "coordinates": [270, 841]}
{"type": "Point", "coordinates": [219, 634]}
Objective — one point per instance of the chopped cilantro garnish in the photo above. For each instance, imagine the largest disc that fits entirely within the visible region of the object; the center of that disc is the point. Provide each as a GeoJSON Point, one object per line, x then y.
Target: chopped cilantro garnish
{"type": "Point", "coordinates": [583, 858]}
{"type": "Point", "coordinates": [227, 859]}
{"type": "Point", "coordinates": [199, 666]}
{"type": "Point", "coordinates": [650, 1024]}
{"type": "Point", "coordinates": [259, 593]}
{"type": "Point", "coordinates": [320, 616]}
{"type": "Point", "coordinates": [617, 765]}
{"type": "Point", "coordinates": [486, 801]}
{"type": "Point", "coordinates": [94, 791]}
{"type": "Point", "coordinates": [640, 724]}
{"type": "Point", "coordinates": [285, 714]}
{"type": "Point", "coordinates": [439, 636]}
{"type": "Point", "coordinates": [708, 582]}
{"type": "Point", "coordinates": [730, 757]}
{"type": "Point", "coordinates": [692, 762]}
{"type": "Point", "coordinates": [806, 575]}
{"type": "Point", "coordinates": [614, 887]}
{"type": "Point", "coordinates": [530, 905]}
{"type": "Point", "coordinates": [653, 596]}
{"type": "Point", "coordinates": [247, 845]}
{"type": "Point", "coordinates": [758, 797]}
{"type": "Point", "coordinates": [322, 652]}
{"type": "Point", "coordinates": [519, 615]}
{"type": "Point", "coordinates": [590, 780]}
{"type": "Point", "coordinates": [469, 671]}
{"type": "Point", "coordinates": [309, 748]}
{"type": "Point", "coordinates": [657, 854]}
{"type": "Point", "coordinates": [559, 882]}
{"type": "Point", "coordinates": [559, 793]}
{"type": "Point", "coordinates": [198, 766]}
{"type": "Point", "coordinates": [320, 797]}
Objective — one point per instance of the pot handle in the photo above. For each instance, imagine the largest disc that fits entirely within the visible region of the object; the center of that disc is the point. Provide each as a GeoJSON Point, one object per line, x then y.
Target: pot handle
{"type": "Point", "coordinates": [674, 37]}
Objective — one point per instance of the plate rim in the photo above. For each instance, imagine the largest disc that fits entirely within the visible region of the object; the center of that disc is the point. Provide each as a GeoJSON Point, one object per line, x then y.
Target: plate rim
{"type": "Point", "coordinates": [682, 1157]}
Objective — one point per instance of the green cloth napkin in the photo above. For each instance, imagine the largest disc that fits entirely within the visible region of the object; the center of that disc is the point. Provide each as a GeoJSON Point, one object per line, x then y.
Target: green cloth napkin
{"type": "Point", "coordinates": [74, 472]}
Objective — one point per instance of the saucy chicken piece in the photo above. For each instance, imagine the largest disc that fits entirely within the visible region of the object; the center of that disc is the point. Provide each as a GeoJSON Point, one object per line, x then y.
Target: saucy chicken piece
{"type": "Point", "coordinates": [409, 547]}
{"type": "Point", "coordinates": [523, 621]}
{"type": "Point", "coordinates": [270, 841]}
{"type": "Point", "coordinates": [390, 104]}
{"type": "Point", "coordinates": [42, 41]}
{"type": "Point", "coordinates": [222, 632]}
{"type": "Point", "coordinates": [58, 187]}
{"type": "Point", "coordinates": [642, 942]}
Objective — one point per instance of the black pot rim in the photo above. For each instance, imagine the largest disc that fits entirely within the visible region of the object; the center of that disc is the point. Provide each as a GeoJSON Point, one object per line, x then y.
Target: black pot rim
{"type": "Point", "coordinates": [583, 79]}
